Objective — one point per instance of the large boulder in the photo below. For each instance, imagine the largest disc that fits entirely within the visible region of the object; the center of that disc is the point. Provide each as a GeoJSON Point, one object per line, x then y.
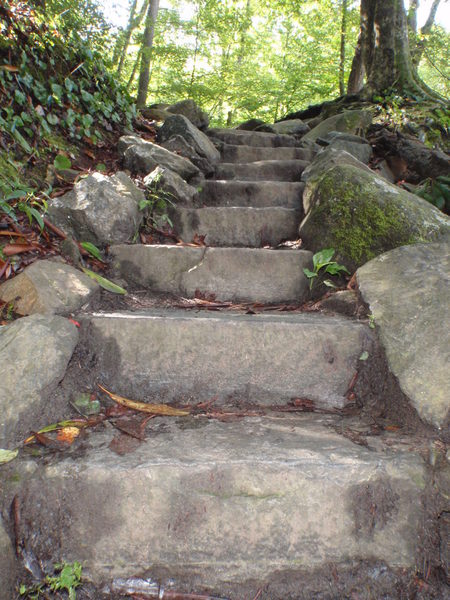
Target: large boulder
{"type": "Point", "coordinates": [8, 565]}
{"type": "Point", "coordinates": [180, 146]}
{"type": "Point", "coordinates": [191, 111]}
{"type": "Point", "coordinates": [171, 186]}
{"type": "Point", "coordinates": [34, 354]}
{"type": "Point", "coordinates": [250, 125]}
{"type": "Point", "coordinates": [361, 216]}
{"type": "Point", "coordinates": [99, 209]}
{"type": "Point", "coordinates": [48, 286]}
{"type": "Point", "coordinates": [350, 121]}
{"type": "Point", "coordinates": [291, 126]}
{"type": "Point", "coordinates": [180, 125]}
{"type": "Point", "coordinates": [140, 156]}
{"type": "Point", "coordinates": [407, 291]}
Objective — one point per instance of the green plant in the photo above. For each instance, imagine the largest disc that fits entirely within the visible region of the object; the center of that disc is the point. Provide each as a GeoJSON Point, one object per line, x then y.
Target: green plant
{"type": "Point", "coordinates": [436, 191]}
{"type": "Point", "coordinates": [67, 577]}
{"type": "Point", "coordinates": [24, 200]}
{"type": "Point", "coordinates": [156, 200]}
{"type": "Point", "coordinates": [371, 321]}
{"type": "Point", "coordinates": [322, 262]}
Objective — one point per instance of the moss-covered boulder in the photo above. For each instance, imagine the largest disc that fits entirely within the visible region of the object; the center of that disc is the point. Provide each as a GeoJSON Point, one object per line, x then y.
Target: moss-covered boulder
{"type": "Point", "coordinates": [361, 216]}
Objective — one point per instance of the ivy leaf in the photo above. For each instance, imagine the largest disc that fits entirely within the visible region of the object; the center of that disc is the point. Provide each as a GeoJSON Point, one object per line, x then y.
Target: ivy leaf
{"type": "Point", "coordinates": [62, 162]}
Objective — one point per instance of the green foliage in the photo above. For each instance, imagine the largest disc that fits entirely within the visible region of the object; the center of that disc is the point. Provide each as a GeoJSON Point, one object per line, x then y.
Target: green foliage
{"type": "Point", "coordinates": [53, 79]}
{"type": "Point", "coordinates": [436, 191]}
{"type": "Point", "coordinates": [93, 250]}
{"type": "Point", "coordinates": [67, 578]}
{"type": "Point", "coordinates": [322, 262]}
{"type": "Point", "coordinates": [157, 201]}
{"type": "Point", "coordinates": [106, 284]}
{"type": "Point", "coordinates": [24, 200]}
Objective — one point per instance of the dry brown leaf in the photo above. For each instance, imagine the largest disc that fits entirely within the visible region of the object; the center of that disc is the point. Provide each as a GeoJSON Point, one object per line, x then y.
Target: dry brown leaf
{"type": "Point", "coordinates": [68, 434]}
{"type": "Point", "coordinates": [154, 409]}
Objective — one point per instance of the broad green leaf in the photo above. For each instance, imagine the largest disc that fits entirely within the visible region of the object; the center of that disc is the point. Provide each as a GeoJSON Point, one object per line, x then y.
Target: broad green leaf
{"type": "Point", "coordinates": [62, 162]}
{"type": "Point", "coordinates": [333, 269]}
{"type": "Point", "coordinates": [309, 273]}
{"type": "Point", "coordinates": [329, 283]}
{"type": "Point", "coordinates": [100, 167]}
{"type": "Point", "coordinates": [322, 258]}
{"type": "Point", "coordinates": [52, 119]}
{"type": "Point", "coordinates": [104, 283]}
{"type": "Point", "coordinates": [7, 455]}
{"type": "Point", "coordinates": [92, 249]}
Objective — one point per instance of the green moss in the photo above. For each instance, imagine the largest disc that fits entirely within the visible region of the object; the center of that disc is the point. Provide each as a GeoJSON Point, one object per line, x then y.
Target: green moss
{"type": "Point", "coordinates": [363, 217]}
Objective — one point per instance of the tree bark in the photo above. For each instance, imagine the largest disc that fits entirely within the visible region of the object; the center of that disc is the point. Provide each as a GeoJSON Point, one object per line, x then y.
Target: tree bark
{"type": "Point", "coordinates": [342, 52]}
{"type": "Point", "coordinates": [133, 22]}
{"type": "Point", "coordinates": [147, 46]}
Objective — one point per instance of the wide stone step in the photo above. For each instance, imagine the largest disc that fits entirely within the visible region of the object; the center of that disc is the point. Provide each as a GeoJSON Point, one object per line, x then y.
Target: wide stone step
{"type": "Point", "coordinates": [236, 274]}
{"type": "Point", "coordinates": [253, 138]}
{"type": "Point", "coordinates": [168, 354]}
{"type": "Point", "coordinates": [270, 170]}
{"type": "Point", "coordinates": [258, 194]}
{"type": "Point", "coordinates": [237, 226]}
{"type": "Point", "coordinates": [238, 153]}
{"type": "Point", "coordinates": [227, 506]}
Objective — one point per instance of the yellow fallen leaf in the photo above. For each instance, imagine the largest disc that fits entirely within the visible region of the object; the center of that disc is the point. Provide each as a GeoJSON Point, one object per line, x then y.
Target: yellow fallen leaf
{"type": "Point", "coordinates": [154, 409]}
{"type": "Point", "coordinates": [7, 455]}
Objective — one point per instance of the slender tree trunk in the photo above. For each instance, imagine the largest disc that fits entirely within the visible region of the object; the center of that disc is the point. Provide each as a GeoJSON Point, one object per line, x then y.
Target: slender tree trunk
{"type": "Point", "coordinates": [147, 46]}
{"type": "Point", "coordinates": [357, 73]}
{"type": "Point", "coordinates": [133, 22]}
{"type": "Point", "coordinates": [342, 53]}
{"type": "Point", "coordinates": [197, 44]}
{"type": "Point", "coordinates": [418, 46]}
{"type": "Point", "coordinates": [135, 68]}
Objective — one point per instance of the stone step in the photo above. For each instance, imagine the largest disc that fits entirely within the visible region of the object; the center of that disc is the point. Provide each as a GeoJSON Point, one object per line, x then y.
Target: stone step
{"type": "Point", "coordinates": [227, 507]}
{"type": "Point", "coordinates": [238, 153]}
{"type": "Point", "coordinates": [237, 226]}
{"type": "Point", "coordinates": [253, 138]}
{"type": "Point", "coordinates": [269, 170]}
{"type": "Point", "coordinates": [258, 194]}
{"type": "Point", "coordinates": [235, 274]}
{"type": "Point", "coordinates": [269, 358]}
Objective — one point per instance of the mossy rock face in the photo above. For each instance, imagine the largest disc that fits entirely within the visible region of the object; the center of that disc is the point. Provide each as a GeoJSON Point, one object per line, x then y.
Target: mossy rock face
{"type": "Point", "coordinates": [362, 216]}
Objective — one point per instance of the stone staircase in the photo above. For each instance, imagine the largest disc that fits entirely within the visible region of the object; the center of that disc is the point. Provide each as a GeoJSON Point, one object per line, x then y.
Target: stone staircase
{"type": "Point", "coordinates": [295, 505]}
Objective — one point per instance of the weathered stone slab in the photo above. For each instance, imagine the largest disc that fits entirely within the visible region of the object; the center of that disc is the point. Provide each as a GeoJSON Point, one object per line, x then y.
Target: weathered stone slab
{"type": "Point", "coordinates": [271, 170]}
{"type": "Point", "coordinates": [217, 503]}
{"type": "Point", "coordinates": [142, 157]}
{"type": "Point", "coordinates": [237, 226]}
{"type": "Point", "coordinates": [239, 153]}
{"type": "Point", "coordinates": [260, 194]}
{"type": "Point", "coordinates": [408, 292]}
{"type": "Point", "coordinates": [252, 138]}
{"type": "Point", "coordinates": [49, 286]}
{"type": "Point", "coordinates": [8, 566]}
{"type": "Point", "coordinates": [34, 353]}
{"type": "Point", "coordinates": [237, 274]}
{"type": "Point", "coordinates": [361, 216]}
{"type": "Point", "coordinates": [179, 145]}
{"type": "Point", "coordinates": [99, 209]}
{"type": "Point", "coordinates": [267, 359]}
{"type": "Point", "coordinates": [174, 188]}
{"type": "Point", "coordinates": [180, 125]}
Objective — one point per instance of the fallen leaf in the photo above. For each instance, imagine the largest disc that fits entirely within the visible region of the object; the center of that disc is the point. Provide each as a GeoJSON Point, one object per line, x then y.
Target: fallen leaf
{"type": "Point", "coordinates": [155, 409]}
{"type": "Point", "coordinates": [68, 434]}
{"type": "Point", "coordinates": [9, 68]}
{"type": "Point", "coordinates": [124, 444]}
{"type": "Point", "coordinates": [12, 249]}
{"type": "Point", "coordinates": [104, 283]}
{"type": "Point", "coordinates": [7, 455]}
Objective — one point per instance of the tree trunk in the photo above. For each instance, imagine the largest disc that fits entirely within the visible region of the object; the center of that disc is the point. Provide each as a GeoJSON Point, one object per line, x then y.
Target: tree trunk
{"type": "Point", "coordinates": [133, 22]}
{"type": "Point", "coordinates": [357, 73]}
{"type": "Point", "coordinates": [147, 46]}
{"type": "Point", "coordinates": [342, 53]}
{"type": "Point", "coordinates": [385, 52]}
{"type": "Point", "coordinates": [418, 47]}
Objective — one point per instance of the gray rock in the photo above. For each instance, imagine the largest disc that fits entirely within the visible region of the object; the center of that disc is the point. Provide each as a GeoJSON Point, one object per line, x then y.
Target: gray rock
{"type": "Point", "coordinates": [49, 286]}
{"type": "Point", "coordinates": [180, 125]}
{"type": "Point", "coordinates": [250, 125]}
{"type": "Point", "coordinates": [179, 145]}
{"type": "Point", "coordinates": [99, 209]}
{"type": "Point", "coordinates": [362, 216]}
{"type": "Point", "coordinates": [172, 186]}
{"type": "Point", "coordinates": [408, 292]}
{"type": "Point", "coordinates": [253, 138]}
{"type": "Point", "coordinates": [191, 111]}
{"type": "Point", "coordinates": [143, 157]}
{"type": "Point", "coordinates": [216, 503]}
{"type": "Point", "coordinates": [126, 141]}
{"type": "Point", "coordinates": [291, 127]}
{"type": "Point", "coordinates": [34, 352]}
{"type": "Point", "coordinates": [155, 114]}
{"type": "Point", "coordinates": [257, 194]}
{"type": "Point", "coordinates": [8, 565]}
{"type": "Point", "coordinates": [351, 121]}
{"type": "Point", "coordinates": [344, 302]}
{"type": "Point", "coordinates": [266, 358]}
{"type": "Point", "coordinates": [353, 144]}
{"type": "Point", "coordinates": [235, 274]}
